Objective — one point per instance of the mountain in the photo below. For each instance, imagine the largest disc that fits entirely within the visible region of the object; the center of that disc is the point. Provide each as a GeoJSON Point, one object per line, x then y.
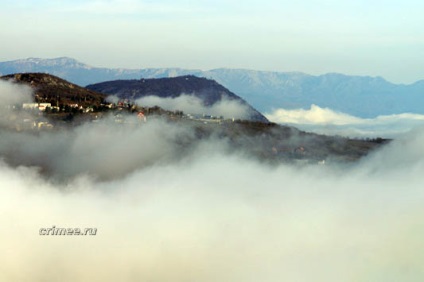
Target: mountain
{"type": "Point", "coordinates": [52, 89]}
{"type": "Point", "coordinates": [82, 74]}
{"type": "Point", "coordinates": [362, 96]}
{"type": "Point", "coordinates": [266, 141]}
{"type": "Point", "coordinates": [208, 91]}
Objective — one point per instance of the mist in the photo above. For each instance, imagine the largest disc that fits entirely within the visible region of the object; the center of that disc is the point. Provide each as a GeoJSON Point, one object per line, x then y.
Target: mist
{"type": "Point", "coordinates": [329, 122]}
{"type": "Point", "coordinates": [193, 105]}
{"type": "Point", "coordinates": [104, 150]}
{"type": "Point", "coordinates": [206, 213]}
{"type": "Point", "coordinates": [12, 97]}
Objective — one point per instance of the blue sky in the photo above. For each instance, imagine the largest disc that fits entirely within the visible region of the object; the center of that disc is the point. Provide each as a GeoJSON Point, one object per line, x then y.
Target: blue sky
{"type": "Point", "coordinates": [375, 37]}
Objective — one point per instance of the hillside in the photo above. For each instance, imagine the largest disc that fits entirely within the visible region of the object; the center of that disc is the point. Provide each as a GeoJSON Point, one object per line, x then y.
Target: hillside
{"type": "Point", "coordinates": [277, 143]}
{"type": "Point", "coordinates": [362, 96]}
{"type": "Point", "coordinates": [57, 91]}
{"type": "Point", "coordinates": [208, 91]}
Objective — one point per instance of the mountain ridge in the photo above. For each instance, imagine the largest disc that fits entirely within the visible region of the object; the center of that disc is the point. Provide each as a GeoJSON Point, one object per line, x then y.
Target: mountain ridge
{"type": "Point", "coordinates": [68, 61]}
{"type": "Point", "coordinates": [362, 96]}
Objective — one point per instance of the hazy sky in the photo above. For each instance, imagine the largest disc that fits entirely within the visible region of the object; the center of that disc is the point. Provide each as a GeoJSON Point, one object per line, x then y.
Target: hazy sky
{"type": "Point", "coordinates": [373, 37]}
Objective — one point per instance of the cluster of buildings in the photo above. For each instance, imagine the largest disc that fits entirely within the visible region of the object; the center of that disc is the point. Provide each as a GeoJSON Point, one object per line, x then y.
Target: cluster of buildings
{"type": "Point", "coordinates": [39, 106]}
{"type": "Point", "coordinates": [45, 106]}
{"type": "Point", "coordinates": [25, 120]}
{"type": "Point", "coordinates": [204, 118]}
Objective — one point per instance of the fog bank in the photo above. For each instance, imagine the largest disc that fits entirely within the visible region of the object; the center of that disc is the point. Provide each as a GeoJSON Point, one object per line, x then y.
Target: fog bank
{"type": "Point", "coordinates": [329, 122]}
{"type": "Point", "coordinates": [165, 213]}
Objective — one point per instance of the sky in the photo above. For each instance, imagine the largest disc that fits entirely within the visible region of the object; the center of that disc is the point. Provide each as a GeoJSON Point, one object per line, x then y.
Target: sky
{"type": "Point", "coordinates": [377, 38]}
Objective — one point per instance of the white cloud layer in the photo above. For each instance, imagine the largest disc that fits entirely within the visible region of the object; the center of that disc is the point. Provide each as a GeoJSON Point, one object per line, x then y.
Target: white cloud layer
{"type": "Point", "coordinates": [188, 222]}
{"type": "Point", "coordinates": [327, 121]}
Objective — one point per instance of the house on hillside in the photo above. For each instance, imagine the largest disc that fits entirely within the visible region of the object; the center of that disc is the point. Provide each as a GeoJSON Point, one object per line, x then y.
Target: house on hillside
{"type": "Point", "coordinates": [33, 106]}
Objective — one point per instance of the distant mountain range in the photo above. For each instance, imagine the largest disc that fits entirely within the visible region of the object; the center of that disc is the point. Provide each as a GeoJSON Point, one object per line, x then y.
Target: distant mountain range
{"type": "Point", "coordinates": [361, 96]}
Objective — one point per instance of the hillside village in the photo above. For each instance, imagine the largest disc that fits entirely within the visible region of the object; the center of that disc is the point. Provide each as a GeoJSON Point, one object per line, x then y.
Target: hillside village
{"type": "Point", "coordinates": [58, 103]}
{"type": "Point", "coordinates": [41, 116]}
{"type": "Point", "coordinates": [266, 141]}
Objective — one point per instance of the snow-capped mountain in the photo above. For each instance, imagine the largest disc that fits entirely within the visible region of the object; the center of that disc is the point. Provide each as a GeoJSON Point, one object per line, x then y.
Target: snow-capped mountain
{"type": "Point", "coordinates": [361, 96]}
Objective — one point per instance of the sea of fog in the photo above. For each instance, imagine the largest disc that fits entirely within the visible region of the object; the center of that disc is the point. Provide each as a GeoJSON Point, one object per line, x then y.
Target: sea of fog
{"type": "Point", "coordinates": [204, 214]}
{"type": "Point", "coordinates": [329, 122]}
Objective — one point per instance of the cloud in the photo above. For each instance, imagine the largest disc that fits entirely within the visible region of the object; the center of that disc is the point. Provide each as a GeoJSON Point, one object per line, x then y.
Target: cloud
{"type": "Point", "coordinates": [221, 218]}
{"type": "Point", "coordinates": [112, 99]}
{"type": "Point", "coordinates": [326, 121]}
{"type": "Point", "coordinates": [315, 115]}
{"type": "Point", "coordinates": [96, 149]}
{"type": "Point", "coordinates": [192, 105]}
{"type": "Point", "coordinates": [205, 213]}
{"type": "Point", "coordinates": [12, 94]}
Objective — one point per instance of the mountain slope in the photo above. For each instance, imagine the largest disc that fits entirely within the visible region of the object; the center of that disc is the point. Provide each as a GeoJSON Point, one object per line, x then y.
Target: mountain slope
{"type": "Point", "coordinates": [54, 90]}
{"type": "Point", "coordinates": [361, 96]}
{"type": "Point", "coordinates": [208, 91]}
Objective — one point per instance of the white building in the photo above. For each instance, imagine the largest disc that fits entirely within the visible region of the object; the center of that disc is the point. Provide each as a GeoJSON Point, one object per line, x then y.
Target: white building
{"type": "Point", "coordinates": [33, 106]}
